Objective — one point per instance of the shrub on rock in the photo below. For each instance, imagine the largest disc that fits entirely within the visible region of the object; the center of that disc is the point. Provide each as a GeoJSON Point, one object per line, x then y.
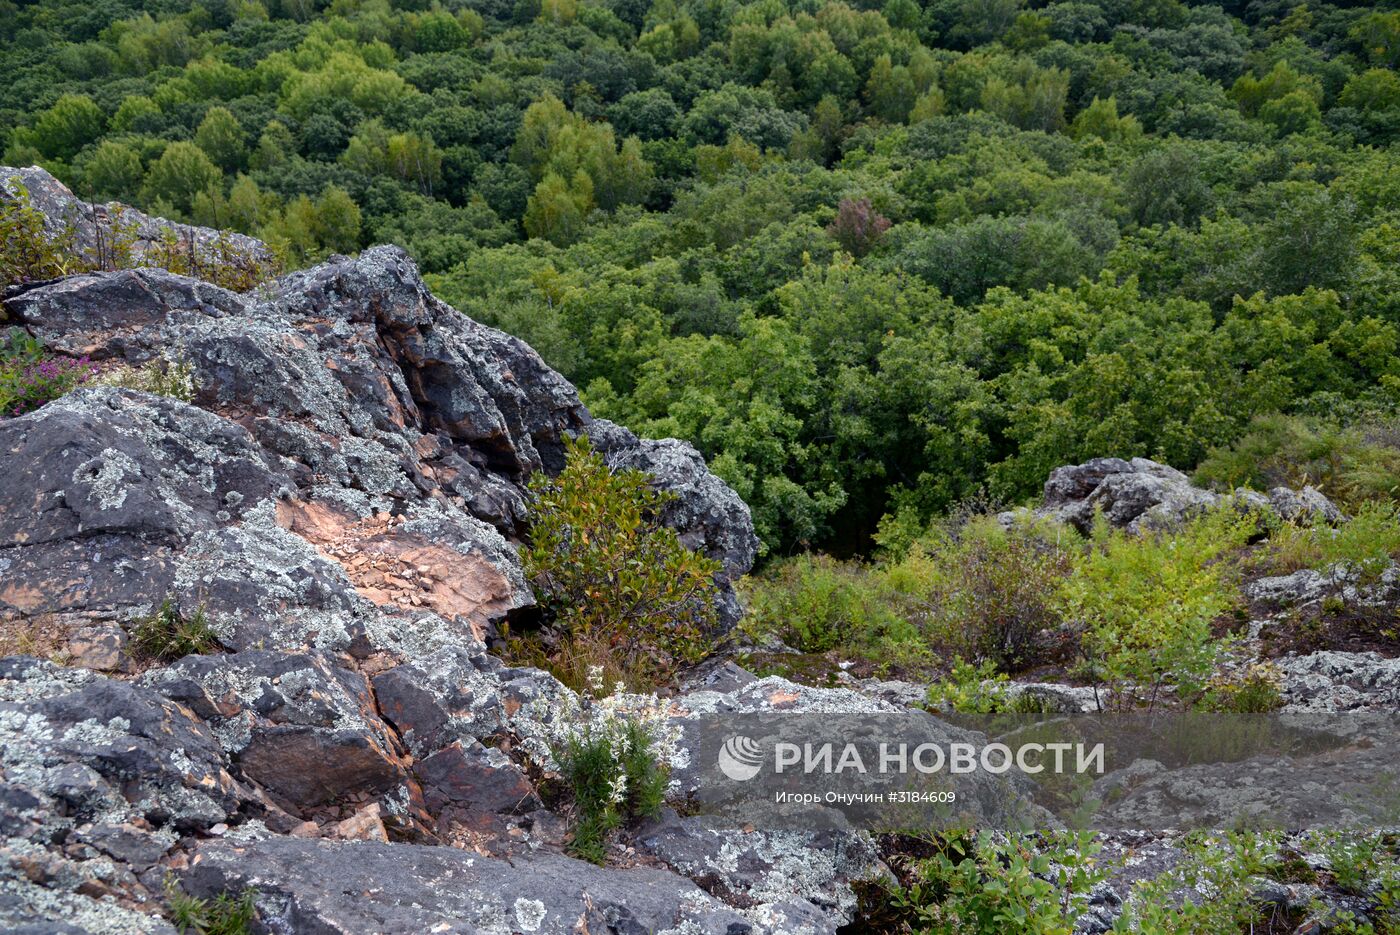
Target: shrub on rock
{"type": "Point", "coordinates": [621, 589]}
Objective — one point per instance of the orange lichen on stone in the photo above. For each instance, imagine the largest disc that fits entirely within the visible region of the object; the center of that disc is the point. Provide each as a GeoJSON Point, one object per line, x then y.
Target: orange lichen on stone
{"type": "Point", "coordinates": [389, 565]}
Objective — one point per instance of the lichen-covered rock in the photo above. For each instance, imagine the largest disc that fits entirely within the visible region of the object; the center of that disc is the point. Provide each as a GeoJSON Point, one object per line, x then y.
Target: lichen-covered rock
{"type": "Point", "coordinates": [300, 726]}
{"type": "Point", "coordinates": [92, 225]}
{"type": "Point", "coordinates": [1141, 494]}
{"type": "Point", "coordinates": [372, 398]}
{"type": "Point", "coordinates": [1306, 506]}
{"type": "Point", "coordinates": [794, 882]}
{"type": "Point", "coordinates": [341, 500]}
{"type": "Point", "coordinates": [308, 887]}
{"type": "Point", "coordinates": [1339, 681]}
{"type": "Point", "coordinates": [99, 779]}
{"type": "Point", "coordinates": [117, 316]}
{"type": "Point", "coordinates": [117, 500]}
{"type": "Point", "coordinates": [1135, 494]}
{"type": "Point", "coordinates": [456, 695]}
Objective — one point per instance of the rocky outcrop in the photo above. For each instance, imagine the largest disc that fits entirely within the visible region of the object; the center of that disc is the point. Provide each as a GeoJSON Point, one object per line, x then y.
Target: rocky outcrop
{"type": "Point", "coordinates": [300, 726]}
{"type": "Point", "coordinates": [1332, 681]}
{"type": "Point", "coordinates": [1141, 494]}
{"type": "Point", "coordinates": [383, 425]}
{"type": "Point", "coordinates": [101, 779]}
{"type": "Point", "coordinates": [340, 500]}
{"type": "Point", "coordinates": [97, 230]}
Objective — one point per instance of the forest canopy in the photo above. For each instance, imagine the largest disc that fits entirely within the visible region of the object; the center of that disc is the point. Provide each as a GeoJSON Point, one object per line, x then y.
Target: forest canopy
{"type": "Point", "coordinates": [871, 258]}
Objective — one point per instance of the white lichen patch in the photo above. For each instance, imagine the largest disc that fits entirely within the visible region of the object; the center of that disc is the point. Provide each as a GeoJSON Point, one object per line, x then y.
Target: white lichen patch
{"type": "Point", "coordinates": [529, 914]}
{"type": "Point", "coordinates": [94, 733]}
{"type": "Point", "coordinates": [106, 477]}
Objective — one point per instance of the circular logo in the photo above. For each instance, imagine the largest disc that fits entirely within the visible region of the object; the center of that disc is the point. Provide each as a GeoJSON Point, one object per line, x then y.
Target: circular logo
{"type": "Point", "coordinates": [740, 758]}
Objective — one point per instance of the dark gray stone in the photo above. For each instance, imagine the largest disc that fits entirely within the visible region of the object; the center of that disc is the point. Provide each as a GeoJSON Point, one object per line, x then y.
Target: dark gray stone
{"type": "Point", "coordinates": [326, 888]}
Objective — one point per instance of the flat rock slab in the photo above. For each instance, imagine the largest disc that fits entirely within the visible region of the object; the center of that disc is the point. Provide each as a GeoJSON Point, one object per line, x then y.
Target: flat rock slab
{"type": "Point", "coordinates": [351, 888]}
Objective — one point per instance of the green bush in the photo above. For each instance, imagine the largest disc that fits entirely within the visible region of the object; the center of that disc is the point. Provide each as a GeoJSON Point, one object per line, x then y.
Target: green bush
{"type": "Point", "coordinates": [817, 603]}
{"type": "Point", "coordinates": [1223, 869]}
{"type": "Point", "coordinates": [970, 689]}
{"type": "Point", "coordinates": [971, 589]}
{"type": "Point", "coordinates": [1218, 867]}
{"type": "Point", "coordinates": [1366, 544]}
{"type": "Point", "coordinates": [986, 592]}
{"type": "Point", "coordinates": [28, 251]}
{"type": "Point", "coordinates": [1145, 605]}
{"type": "Point", "coordinates": [615, 581]}
{"type": "Point", "coordinates": [998, 885]}
{"type": "Point", "coordinates": [1256, 690]}
{"type": "Point", "coordinates": [167, 635]}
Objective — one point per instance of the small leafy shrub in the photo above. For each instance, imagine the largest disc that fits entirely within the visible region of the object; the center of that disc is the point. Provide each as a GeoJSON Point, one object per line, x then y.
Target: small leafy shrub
{"type": "Point", "coordinates": [980, 689]}
{"type": "Point", "coordinates": [1256, 690]}
{"type": "Point", "coordinates": [174, 379]}
{"type": "Point", "coordinates": [29, 377]}
{"type": "Point", "coordinates": [1363, 864]}
{"type": "Point", "coordinates": [28, 251]}
{"type": "Point", "coordinates": [1366, 544]}
{"type": "Point", "coordinates": [817, 603]}
{"type": "Point", "coordinates": [971, 689]}
{"type": "Point", "coordinates": [612, 577]}
{"type": "Point", "coordinates": [1218, 869]}
{"type": "Point", "coordinates": [225, 914]}
{"type": "Point", "coordinates": [999, 885]}
{"type": "Point", "coordinates": [167, 635]}
{"type": "Point", "coordinates": [614, 753]}
{"type": "Point", "coordinates": [970, 589]}
{"type": "Point", "coordinates": [1145, 605]}
{"type": "Point", "coordinates": [984, 591]}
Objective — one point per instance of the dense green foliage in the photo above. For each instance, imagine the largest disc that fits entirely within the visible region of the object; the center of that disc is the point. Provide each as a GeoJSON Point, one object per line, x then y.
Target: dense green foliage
{"type": "Point", "coordinates": [1142, 617]}
{"type": "Point", "coordinates": [869, 257]}
{"type": "Point", "coordinates": [1352, 463]}
{"type": "Point", "coordinates": [1225, 868]}
{"type": "Point", "coordinates": [1145, 604]}
{"type": "Point", "coordinates": [621, 589]}
{"type": "Point", "coordinates": [989, 883]}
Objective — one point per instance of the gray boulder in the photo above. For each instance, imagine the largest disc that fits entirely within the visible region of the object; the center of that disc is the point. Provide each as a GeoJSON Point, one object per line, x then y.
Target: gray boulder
{"type": "Point", "coordinates": [1339, 681]}
{"type": "Point", "coordinates": [1142, 494]}
{"type": "Point", "coordinates": [324, 888]}
{"type": "Point", "coordinates": [1306, 506]}
{"type": "Point", "coordinates": [1135, 495]}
